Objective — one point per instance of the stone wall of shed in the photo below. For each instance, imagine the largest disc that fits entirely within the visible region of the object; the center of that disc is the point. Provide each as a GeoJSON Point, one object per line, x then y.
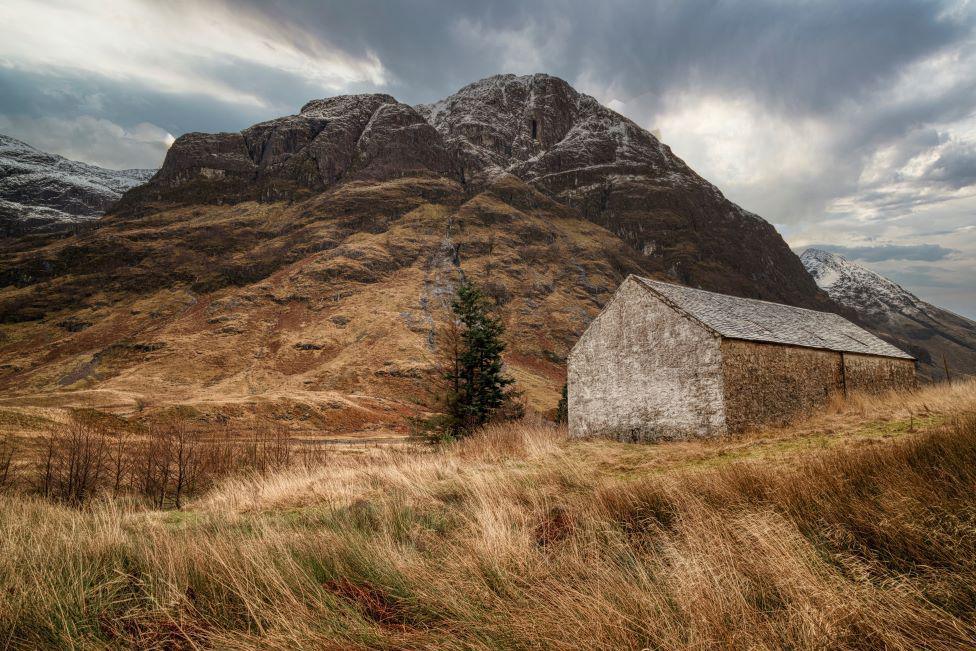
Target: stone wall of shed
{"type": "Point", "coordinates": [772, 383]}
{"type": "Point", "coordinates": [643, 371]}
{"type": "Point", "coordinates": [873, 374]}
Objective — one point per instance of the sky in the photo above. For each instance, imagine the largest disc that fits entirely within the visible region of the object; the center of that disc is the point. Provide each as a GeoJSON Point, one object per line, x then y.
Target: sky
{"type": "Point", "coordinates": [848, 124]}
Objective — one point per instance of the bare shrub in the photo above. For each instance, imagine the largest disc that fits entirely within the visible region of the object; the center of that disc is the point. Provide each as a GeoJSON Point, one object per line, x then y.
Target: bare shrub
{"type": "Point", "coordinates": [163, 463]}
{"type": "Point", "coordinates": [74, 462]}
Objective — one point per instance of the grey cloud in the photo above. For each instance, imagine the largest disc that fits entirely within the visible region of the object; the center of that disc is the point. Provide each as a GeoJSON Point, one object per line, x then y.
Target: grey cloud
{"type": "Point", "coordinates": [98, 141]}
{"type": "Point", "coordinates": [67, 94]}
{"type": "Point", "coordinates": [925, 276]}
{"type": "Point", "coordinates": [801, 57]}
{"type": "Point", "coordinates": [881, 252]}
{"type": "Point", "coordinates": [808, 58]}
{"type": "Point", "coordinates": [956, 166]}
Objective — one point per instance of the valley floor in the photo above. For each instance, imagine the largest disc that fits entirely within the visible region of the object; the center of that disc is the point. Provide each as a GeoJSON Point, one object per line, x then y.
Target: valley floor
{"type": "Point", "coordinates": [853, 529]}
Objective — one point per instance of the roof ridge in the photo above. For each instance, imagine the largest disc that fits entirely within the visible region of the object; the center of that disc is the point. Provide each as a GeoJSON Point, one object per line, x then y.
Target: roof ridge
{"type": "Point", "coordinates": [642, 281]}
{"type": "Point", "coordinates": [751, 319]}
{"type": "Point", "coordinates": [741, 298]}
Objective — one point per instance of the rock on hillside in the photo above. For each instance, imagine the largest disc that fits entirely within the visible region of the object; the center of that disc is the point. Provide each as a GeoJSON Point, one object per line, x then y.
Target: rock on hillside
{"type": "Point", "coordinates": [926, 331]}
{"type": "Point", "coordinates": [44, 191]}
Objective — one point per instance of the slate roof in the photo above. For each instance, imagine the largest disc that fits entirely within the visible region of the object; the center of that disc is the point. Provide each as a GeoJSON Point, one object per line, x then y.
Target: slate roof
{"type": "Point", "coordinates": [745, 318]}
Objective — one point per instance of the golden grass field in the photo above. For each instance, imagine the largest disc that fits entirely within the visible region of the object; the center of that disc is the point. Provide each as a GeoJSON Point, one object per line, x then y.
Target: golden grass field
{"type": "Point", "coordinates": [854, 528]}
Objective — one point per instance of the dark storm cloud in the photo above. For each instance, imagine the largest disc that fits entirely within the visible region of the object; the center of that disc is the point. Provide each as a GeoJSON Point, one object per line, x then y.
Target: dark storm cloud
{"type": "Point", "coordinates": [882, 252]}
{"type": "Point", "coordinates": [796, 57]}
{"type": "Point", "coordinates": [66, 94]}
{"type": "Point", "coordinates": [799, 56]}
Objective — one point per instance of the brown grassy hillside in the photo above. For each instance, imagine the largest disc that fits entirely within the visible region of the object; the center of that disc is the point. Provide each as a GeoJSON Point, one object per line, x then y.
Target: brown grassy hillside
{"type": "Point", "coordinates": [855, 529]}
{"type": "Point", "coordinates": [319, 315]}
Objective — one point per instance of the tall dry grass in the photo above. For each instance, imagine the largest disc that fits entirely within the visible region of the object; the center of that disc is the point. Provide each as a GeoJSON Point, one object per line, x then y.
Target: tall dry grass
{"type": "Point", "coordinates": [519, 538]}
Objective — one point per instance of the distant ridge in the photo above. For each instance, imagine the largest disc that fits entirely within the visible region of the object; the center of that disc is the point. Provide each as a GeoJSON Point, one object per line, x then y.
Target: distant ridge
{"type": "Point", "coordinates": [41, 191]}
{"type": "Point", "coordinates": [928, 332]}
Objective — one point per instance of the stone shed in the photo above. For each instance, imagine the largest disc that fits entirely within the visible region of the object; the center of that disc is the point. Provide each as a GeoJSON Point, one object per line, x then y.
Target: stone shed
{"type": "Point", "coordinates": [663, 361]}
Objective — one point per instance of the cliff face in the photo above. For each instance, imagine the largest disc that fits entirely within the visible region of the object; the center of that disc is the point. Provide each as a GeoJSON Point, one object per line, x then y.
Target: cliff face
{"type": "Point", "coordinates": [620, 176]}
{"type": "Point", "coordinates": [299, 267]}
{"type": "Point", "coordinates": [352, 137]}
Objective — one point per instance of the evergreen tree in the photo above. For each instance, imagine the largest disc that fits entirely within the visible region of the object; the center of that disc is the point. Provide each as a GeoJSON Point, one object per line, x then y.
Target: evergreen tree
{"type": "Point", "coordinates": [475, 388]}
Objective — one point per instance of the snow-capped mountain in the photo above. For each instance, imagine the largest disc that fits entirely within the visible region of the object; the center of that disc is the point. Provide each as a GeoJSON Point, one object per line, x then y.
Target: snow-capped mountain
{"type": "Point", "coordinates": [42, 191]}
{"type": "Point", "coordinates": [864, 290]}
{"type": "Point", "coordinates": [924, 330]}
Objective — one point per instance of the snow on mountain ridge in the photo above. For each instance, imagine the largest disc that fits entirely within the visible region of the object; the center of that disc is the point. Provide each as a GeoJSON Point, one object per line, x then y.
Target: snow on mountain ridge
{"type": "Point", "coordinates": [938, 338]}
{"type": "Point", "coordinates": [857, 287]}
{"type": "Point", "coordinates": [41, 190]}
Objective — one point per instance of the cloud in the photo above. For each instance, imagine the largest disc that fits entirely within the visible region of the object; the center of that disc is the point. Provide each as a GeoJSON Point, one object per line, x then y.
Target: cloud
{"type": "Point", "coordinates": [172, 46]}
{"type": "Point", "coordinates": [878, 253]}
{"type": "Point", "coordinates": [93, 140]}
{"type": "Point", "coordinates": [955, 167]}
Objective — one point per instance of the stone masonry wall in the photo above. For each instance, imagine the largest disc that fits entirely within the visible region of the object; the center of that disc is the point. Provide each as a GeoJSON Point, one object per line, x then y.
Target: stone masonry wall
{"type": "Point", "coordinates": [875, 374]}
{"type": "Point", "coordinates": [643, 371]}
{"type": "Point", "coordinates": [771, 383]}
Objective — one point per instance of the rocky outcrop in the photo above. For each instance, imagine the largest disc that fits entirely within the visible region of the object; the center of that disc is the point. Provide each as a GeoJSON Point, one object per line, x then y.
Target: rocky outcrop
{"type": "Point", "coordinates": [44, 192]}
{"type": "Point", "coordinates": [371, 137]}
{"type": "Point", "coordinates": [936, 337]}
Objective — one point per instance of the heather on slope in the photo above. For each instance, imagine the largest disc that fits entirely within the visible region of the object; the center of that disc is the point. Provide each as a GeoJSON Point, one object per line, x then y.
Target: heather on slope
{"type": "Point", "coordinates": [854, 529]}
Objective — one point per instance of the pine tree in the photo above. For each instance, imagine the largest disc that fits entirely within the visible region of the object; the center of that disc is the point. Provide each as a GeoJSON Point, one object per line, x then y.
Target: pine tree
{"type": "Point", "coordinates": [476, 388]}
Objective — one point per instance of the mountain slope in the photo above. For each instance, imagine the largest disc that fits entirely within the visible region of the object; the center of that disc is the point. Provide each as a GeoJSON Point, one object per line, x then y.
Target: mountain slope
{"type": "Point", "coordinates": [297, 270]}
{"type": "Point", "coordinates": [928, 332]}
{"type": "Point", "coordinates": [321, 314]}
{"type": "Point", "coordinates": [40, 190]}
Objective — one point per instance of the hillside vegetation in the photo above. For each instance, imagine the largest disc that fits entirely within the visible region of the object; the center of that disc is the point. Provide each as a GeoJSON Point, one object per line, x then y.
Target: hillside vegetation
{"type": "Point", "coordinates": [854, 529]}
{"type": "Point", "coordinates": [320, 315]}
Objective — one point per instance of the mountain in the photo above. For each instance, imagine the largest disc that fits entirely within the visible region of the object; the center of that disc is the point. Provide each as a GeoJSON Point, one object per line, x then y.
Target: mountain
{"type": "Point", "coordinates": [44, 191]}
{"type": "Point", "coordinates": [297, 270]}
{"type": "Point", "coordinates": [934, 336]}
{"type": "Point", "coordinates": [536, 128]}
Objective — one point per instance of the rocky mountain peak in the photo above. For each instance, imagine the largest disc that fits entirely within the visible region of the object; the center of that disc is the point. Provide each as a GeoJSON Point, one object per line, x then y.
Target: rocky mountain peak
{"type": "Point", "coordinates": [617, 174]}
{"type": "Point", "coordinates": [369, 136]}
{"type": "Point", "coordinates": [506, 119]}
{"type": "Point", "coordinates": [537, 128]}
{"type": "Point", "coordinates": [335, 107]}
{"type": "Point", "coordinates": [533, 125]}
